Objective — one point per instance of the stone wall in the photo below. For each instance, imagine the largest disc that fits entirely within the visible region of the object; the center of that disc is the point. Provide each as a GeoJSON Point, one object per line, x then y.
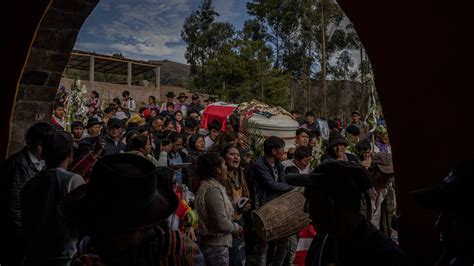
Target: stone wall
{"type": "Point", "coordinates": [47, 58]}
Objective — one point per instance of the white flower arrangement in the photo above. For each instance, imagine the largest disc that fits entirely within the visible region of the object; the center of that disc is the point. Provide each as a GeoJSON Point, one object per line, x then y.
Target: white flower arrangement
{"type": "Point", "coordinates": [76, 104]}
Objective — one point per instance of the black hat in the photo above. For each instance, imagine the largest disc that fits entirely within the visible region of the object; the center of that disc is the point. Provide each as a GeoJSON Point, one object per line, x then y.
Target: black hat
{"type": "Point", "coordinates": [455, 192]}
{"type": "Point", "coordinates": [77, 124]}
{"type": "Point", "coordinates": [122, 195]}
{"type": "Point", "coordinates": [383, 160]}
{"type": "Point", "coordinates": [182, 95]}
{"type": "Point", "coordinates": [170, 94]}
{"type": "Point", "coordinates": [334, 177]}
{"type": "Point", "coordinates": [336, 138]}
{"type": "Point", "coordinates": [93, 121]}
{"type": "Point", "coordinates": [114, 122]}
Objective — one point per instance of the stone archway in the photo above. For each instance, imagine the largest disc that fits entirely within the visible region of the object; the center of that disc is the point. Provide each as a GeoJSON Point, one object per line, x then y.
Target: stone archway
{"type": "Point", "coordinates": [427, 100]}
{"type": "Point", "coordinates": [49, 53]}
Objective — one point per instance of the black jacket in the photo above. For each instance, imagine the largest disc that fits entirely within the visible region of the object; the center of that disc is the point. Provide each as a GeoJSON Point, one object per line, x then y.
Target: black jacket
{"type": "Point", "coordinates": [19, 169]}
{"type": "Point", "coordinates": [110, 147]}
{"type": "Point", "coordinates": [267, 185]}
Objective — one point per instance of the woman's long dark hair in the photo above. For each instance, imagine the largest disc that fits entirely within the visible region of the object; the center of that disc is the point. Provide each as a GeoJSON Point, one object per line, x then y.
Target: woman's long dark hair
{"type": "Point", "coordinates": [192, 141]}
{"type": "Point", "coordinates": [207, 164]}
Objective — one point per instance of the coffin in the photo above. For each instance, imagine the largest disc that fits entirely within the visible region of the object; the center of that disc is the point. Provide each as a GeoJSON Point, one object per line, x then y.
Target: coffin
{"type": "Point", "coordinates": [281, 126]}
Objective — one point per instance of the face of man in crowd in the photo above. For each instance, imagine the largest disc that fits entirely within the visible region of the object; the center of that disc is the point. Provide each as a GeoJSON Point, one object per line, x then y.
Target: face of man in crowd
{"type": "Point", "coordinates": [150, 100]}
{"type": "Point", "coordinates": [303, 163]}
{"type": "Point", "coordinates": [355, 118]}
{"type": "Point", "coordinates": [182, 100]}
{"type": "Point", "coordinates": [77, 132]}
{"type": "Point", "coordinates": [191, 131]}
{"type": "Point", "coordinates": [279, 154]}
{"type": "Point", "coordinates": [302, 139]}
{"type": "Point", "coordinates": [115, 132]}
{"type": "Point", "coordinates": [381, 180]}
{"type": "Point", "coordinates": [59, 112]}
{"type": "Point", "coordinates": [157, 125]}
{"type": "Point", "coordinates": [339, 150]}
{"type": "Point", "coordinates": [125, 98]}
{"type": "Point", "coordinates": [295, 116]}
{"type": "Point", "coordinates": [170, 108]}
{"type": "Point", "coordinates": [310, 119]}
{"type": "Point", "coordinates": [214, 133]}
{"type": "Point", "coordinates": [232, 158]}
{"type": "Point", "coordinates": [94, 130]}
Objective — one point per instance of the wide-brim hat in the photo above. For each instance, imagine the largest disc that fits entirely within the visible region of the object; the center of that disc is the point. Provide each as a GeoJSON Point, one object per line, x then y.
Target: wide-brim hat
{"type": "Point", "coordinates": [336, 138]}
{"type": "Point", "coordinates": [383, 160]}
{"type": "Point", "coordinates": [121, 196]}
{"type": "Point", "coordinates": [182, 95]}
{"type": "Point", "coordinates": [170, 94]}
{"type": "Point", "coordinates": [93, 121]}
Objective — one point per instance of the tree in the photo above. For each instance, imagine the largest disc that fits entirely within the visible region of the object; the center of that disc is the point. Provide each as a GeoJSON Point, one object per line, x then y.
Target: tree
{"type": "Point", "coordinates": [205, 39]}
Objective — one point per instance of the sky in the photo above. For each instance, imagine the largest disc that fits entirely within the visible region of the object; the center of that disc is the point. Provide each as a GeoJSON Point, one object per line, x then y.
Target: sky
{"type": "Point", "coordinates": [148, 29]}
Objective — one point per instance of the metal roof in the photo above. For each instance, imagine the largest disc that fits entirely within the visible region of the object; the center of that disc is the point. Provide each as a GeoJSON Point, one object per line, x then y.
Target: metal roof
{"type": "Point", "coordinates": [108, 64]}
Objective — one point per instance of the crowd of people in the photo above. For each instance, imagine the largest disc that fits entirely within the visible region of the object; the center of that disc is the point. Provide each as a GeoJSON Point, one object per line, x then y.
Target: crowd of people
{"type": "Point", "coordinates": [149, 185]}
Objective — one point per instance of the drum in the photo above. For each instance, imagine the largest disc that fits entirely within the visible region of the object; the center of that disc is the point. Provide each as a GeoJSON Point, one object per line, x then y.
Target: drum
{"type": "Point", "coordinates": [281, 217]}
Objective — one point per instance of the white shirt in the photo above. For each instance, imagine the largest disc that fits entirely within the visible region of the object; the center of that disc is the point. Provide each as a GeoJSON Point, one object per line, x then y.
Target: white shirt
{"type": "Point", "coordinates": [376, 200]}
{"type": "Point", "coordinates": [39, 164]}
{"type": "Point", "coordinates": [291, 162]}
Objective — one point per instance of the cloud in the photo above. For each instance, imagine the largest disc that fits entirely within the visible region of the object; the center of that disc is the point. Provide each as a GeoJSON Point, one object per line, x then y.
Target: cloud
{"type": "Point", "coordinates": [148, 29]}
{"type": "Point", "coordinates": [145, 29]}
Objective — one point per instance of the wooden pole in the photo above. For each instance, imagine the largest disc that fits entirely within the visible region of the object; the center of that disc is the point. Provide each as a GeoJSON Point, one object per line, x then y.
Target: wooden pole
{"type": "Point", "coordinates": [91, 72]}
{"type": "Point", "coordinates": [158, 83]}
{"type": "Point", "coordinates": [129, 75]}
